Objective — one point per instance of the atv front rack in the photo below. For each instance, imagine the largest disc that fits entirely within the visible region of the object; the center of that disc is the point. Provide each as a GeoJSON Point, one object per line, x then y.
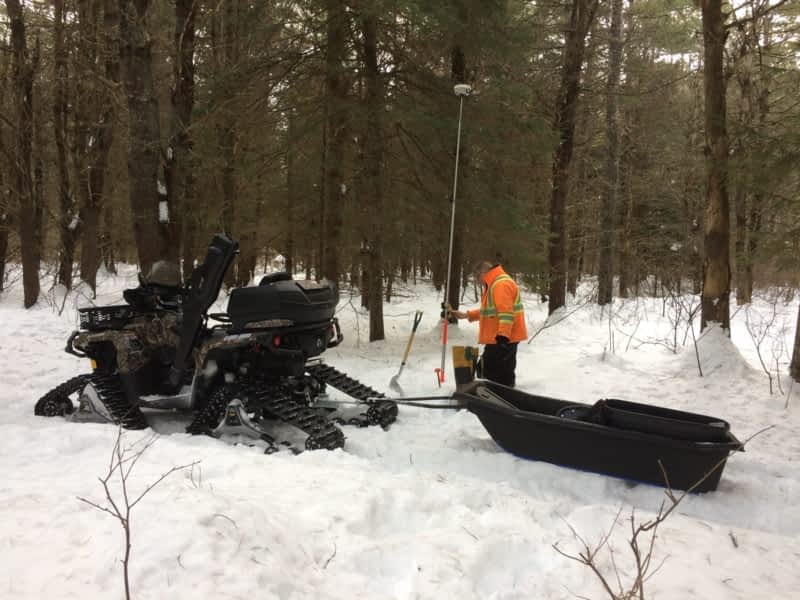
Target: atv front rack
{"type": "Point", "coordinates": [100, 318]}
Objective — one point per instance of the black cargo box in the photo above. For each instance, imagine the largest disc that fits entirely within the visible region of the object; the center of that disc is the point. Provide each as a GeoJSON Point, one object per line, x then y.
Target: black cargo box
{"type": "Point", "coordinates": [297, 301]}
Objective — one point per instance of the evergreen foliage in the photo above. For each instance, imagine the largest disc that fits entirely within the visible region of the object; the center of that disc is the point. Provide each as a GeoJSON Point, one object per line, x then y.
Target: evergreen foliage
{"type": "Point", "coordinates": [259, 138]}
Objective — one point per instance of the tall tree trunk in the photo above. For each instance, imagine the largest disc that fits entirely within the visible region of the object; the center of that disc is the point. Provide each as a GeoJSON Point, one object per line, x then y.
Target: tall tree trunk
{"type": "Point", "coordinates": [762, 107]}
{"type": "Point", "coordinates": [67, 217]}
{"type": "Point", "coordinates": [315, 233]}
{"type": "Point", "coordinates": [83, 104]}
{"type": "Point", "coordinates": [4, 223]}
{"type": "Point", "coordinates": [179, 166]}
{"type": "Point", "coordinates": [717, 272]}
{"type": "Point", "coordinates": [189, 238]}
{"type": "Point", "coordinates": [227, 144]}
{"type": "Point", "coordinates": [248, 259]}
{"type": "Point", "coordinates": [609, 209]}
{"type": "Point", "coordinates": [744, 290]}
{"type": "Point", "coordinates": [149, 209]}
{"type": "Point", "coordinates": [93, 110]}
{"type": "Point", "coordinates": [3, 244]}
{"type": "Point", "coordinates": [794, 366]}
{"type": "Point", "coordinates": [692, 202]}
{"type": "Point", "coordinates": [692, 255]}
{"type": "Point", "coordinates": [405, 267]}
{"type": "Point", "coordinates": [581, 18]}
{"type": "Point", "coordinates": [629, 133]}
{"type": "Point", "coordinates": [5, 191]}
{"type": "Point", "coordinates": [5, 208]}
{"type": "Point", "coordinates": [101, 137]}
{"type": "Point", "coordinates": [626, 249]}
{"type": "Point", "coordinates": [107, 253]}
{"type": "Point", "coordinates": [745, 274]}
{"type": "Point", "coordinates": [22, 180]}
{"type": "Point", "coordinates": [373, 170]}
{"type": "Point", "coordinates": [753, 231]}
{"type": "Point", "coordinates": [576, 235]}
{"type": "Point", "coordinates": [37, 160]}
{"type": "Point", "coordinates": [292, 181]}
{"type": "Point", "coordinates": [580, 267]}
{"type": "Point", "coordinates": [743, 149]}
{"type": "Point", "coordinates": [754, 57]}
{"type": "Point", "coordinates": [389, 282]}
{"type": "Point", "coordinates": [227, 57]}
{"type": "Point", "coordinates": [335, 137]}
{"type": "Point", "coordinates": [362, 277]}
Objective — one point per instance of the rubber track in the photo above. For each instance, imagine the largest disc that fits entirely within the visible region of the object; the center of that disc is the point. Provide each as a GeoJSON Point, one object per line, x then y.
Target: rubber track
{"type": "Point", "coordinates": [322, 433]}
{"type": "Point", "coordinates": [380, 412]}
{"type": "Point", "coordinates": [110, 393]}
{"type": "Point", "coordinates": [343, 383]}
{"type": "Point", "coordinates": [56, 402]}
{"type": "Point", "coordinates": [109, 389]}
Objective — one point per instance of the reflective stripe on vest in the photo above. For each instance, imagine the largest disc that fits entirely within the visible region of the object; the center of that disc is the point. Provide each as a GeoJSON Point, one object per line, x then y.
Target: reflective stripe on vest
{"type": "Point", "coordinates": [490, 310]}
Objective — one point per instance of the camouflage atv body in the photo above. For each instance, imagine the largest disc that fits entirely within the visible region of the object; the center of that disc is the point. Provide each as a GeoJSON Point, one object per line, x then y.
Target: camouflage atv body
{"type": "Point", "coordinates": [258, 362]}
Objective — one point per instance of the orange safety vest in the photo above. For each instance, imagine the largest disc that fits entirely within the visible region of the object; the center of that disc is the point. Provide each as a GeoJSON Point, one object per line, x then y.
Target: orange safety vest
{"type": "Point", "coordinates": [501, 311]}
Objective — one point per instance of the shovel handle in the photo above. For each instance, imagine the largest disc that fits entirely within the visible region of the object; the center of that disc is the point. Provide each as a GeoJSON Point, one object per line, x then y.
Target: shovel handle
{"type": "Point", "coordinates": [417, 319]}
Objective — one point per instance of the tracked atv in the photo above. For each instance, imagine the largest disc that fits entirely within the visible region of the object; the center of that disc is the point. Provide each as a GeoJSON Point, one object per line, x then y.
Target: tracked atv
{"type": "Point", "coordinates": [258, 364]}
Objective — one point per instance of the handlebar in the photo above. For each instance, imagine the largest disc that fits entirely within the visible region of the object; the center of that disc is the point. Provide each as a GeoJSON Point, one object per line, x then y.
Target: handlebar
{"type": "Point", "coordinates": [70, 348]}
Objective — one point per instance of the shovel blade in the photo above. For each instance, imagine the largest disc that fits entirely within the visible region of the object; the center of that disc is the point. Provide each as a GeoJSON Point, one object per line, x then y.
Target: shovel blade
{"type": "Point", "coordinates": [395, 386]}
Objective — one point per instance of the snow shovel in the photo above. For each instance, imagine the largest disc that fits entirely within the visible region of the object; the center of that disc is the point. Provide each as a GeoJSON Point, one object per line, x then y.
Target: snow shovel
{"type": "Point", "coordinates": [393, 383]}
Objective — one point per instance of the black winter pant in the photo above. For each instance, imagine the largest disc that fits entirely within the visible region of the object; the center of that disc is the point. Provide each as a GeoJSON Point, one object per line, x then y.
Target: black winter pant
{"type": "Point", "coordinates": [499, 363]}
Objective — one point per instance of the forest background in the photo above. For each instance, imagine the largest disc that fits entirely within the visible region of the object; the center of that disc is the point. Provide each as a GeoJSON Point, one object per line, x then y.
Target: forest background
{"type": "Point", "coordinates": [652, 145]}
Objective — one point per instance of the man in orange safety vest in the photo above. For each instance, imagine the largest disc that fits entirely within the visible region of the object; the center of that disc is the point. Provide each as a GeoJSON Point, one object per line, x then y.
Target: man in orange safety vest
{"type": "Point", "coordinates": [501, 322]}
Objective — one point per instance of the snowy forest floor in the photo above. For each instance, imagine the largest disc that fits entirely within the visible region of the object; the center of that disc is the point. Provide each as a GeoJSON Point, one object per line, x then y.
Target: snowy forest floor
{"type": "Point", "coordinates": [431, 508]}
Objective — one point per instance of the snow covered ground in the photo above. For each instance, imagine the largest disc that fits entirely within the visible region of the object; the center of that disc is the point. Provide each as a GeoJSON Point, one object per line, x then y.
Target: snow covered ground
{"type": "Point", "coordinates": [433, 508]}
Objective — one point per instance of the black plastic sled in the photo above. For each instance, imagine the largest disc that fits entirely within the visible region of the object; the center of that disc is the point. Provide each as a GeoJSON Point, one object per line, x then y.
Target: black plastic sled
{"type": "Point", "coordinates": [625, 439]}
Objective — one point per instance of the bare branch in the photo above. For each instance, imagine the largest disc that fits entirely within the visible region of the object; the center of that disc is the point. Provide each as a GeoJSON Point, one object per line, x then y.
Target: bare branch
{"type": "Point", "coordinates": [330, 558]}
{"type": "Point", "coordinates": [551, 323]}
{"type": "Point", "coordinates": [733, 539]}
{"type": "Point", "coordinates": [641, 552]}
{"type": "Point", "coordinates": [121, 462]}
{"type": "Point", "coordinates": [763, 11]}
{"type": "Point", "coordinates": [162, 478]}
{"type": "Point", "coordinates": [98, 507]}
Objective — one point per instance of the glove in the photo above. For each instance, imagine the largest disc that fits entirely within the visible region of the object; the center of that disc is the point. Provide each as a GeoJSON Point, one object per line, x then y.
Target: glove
{"type": "Point", "coordinates": [448, 313]}
{"type": "Point", "coordinates": [504, 350]}
{"type": "Point", "coordinates": [502, 341]}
